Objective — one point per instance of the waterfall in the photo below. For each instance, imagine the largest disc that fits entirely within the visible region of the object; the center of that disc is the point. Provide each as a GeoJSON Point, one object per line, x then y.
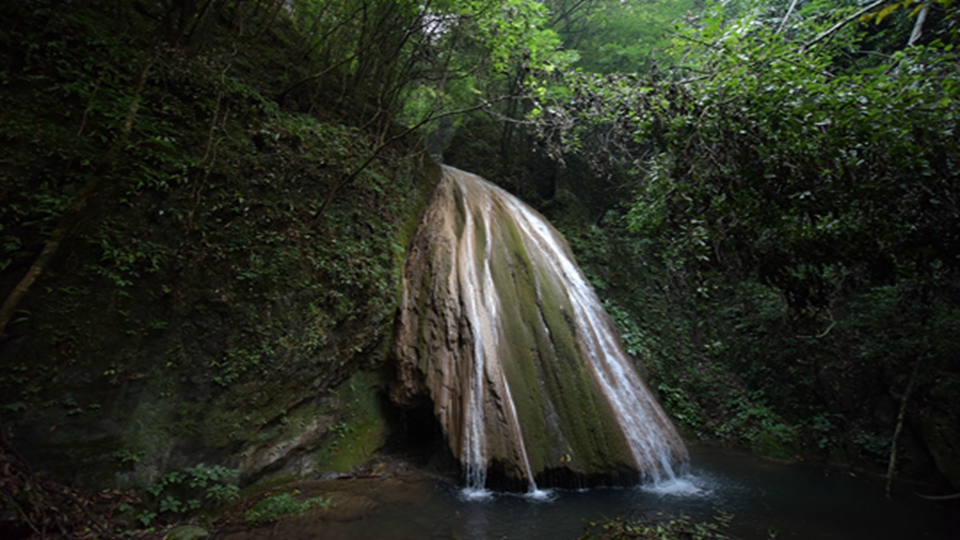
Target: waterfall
{"type": "Point", "coordinates": [500, 329]}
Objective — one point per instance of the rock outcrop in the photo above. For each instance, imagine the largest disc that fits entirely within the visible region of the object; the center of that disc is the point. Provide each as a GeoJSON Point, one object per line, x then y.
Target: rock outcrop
{"type": "Point", "coordinates": [525, 370]}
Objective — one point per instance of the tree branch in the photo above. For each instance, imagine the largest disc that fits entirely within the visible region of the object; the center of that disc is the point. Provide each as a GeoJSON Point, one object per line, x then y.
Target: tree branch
{"type": "Point", "coordinates": [918, 26]}
{"type": "Point", "coordinates": [840, 25]}
{"type": "Point", "coordinates": [787, 16]}
{"type": "Point", "coordinates": [346, 179]}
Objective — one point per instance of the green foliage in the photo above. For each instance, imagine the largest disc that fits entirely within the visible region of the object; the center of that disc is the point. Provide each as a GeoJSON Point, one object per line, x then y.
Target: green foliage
{"type": "Point", "coordinates": [612, 36]}
{"type": "Point", "coordinates": [797, 177]}
{"type": "Point", "coordinates": [187, 491]}
{"type": "Point", "coordinates": [633, 339]}
{"type": "Point", "coordinates": [754, 423]}
{"type": "Point", "coordinates": [824, 428]}
{"type": "Point", "coordinates": [661, 528]}
{"type": "Point", "coordinates": [514, 28]}
{"type": "Point", "coordinates": [127, 457]}
{"type": "Point", "coordinates": [412, 61]}
{"type": "Point", "coordinates": [772, 137]}
{"type": "Point", "coordinates": [280, 505]}
{"type": "Point", "coordinates": [685, 408]}
{"type": "Point", "coordinates": [201, 273]}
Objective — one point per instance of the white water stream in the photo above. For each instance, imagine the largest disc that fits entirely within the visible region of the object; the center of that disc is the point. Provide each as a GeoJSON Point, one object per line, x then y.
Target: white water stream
{"type": "Point", "coordinates": [480, 348]}
{"type": "Point", "coordinates": [640, 416]}
{"type": "Point", "coordinates": [482, 310]}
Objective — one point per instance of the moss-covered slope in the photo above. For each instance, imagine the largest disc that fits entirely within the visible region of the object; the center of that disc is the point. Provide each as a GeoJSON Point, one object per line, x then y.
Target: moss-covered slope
{"type": "Point", "coordinates": [200, 306]}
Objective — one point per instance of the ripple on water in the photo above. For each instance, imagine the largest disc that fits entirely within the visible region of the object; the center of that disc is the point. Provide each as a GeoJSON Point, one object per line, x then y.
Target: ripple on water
{"type": "Point", "coordinates": [537, 495]}
{"type": "Point", "coordinates": [475, 494]}
{"type": "Point", "coordinates": [687, 485]}
{"type": "Point", "coordinates": [541, 495]}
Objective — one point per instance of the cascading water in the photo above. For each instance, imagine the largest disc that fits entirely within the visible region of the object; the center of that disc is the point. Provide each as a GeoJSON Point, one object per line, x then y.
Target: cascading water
{"type": "Point", "coordinates": [526, 372]}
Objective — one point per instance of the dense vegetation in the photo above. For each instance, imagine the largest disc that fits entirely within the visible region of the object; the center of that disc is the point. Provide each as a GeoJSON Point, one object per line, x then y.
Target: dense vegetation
{"type": "Point", "coordinates": [213, 199]}
{"type": "Point", "coordinates": [790, 173]}
{"type": "Point", "coordinates": [769, 203]}
{"type": "Point", "coordinates": [204, 206]}
{"type": "Point", "coordinates": [796, 174]}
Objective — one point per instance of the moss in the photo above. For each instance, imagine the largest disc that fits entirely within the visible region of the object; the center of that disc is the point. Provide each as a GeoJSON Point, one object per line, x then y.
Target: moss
{"type": "Point", "coordinates": [513, 277]}
{"type": "Point", "coordinates": [361, 431]}
{"type": "Point", "coordinates": [547, 371]}
{"type": "Point", "coordinates": [587, 421]}
{"type": "Point", "coordinates": [942, 438]}
{"type": "Point", "coordinates": [201, 298]}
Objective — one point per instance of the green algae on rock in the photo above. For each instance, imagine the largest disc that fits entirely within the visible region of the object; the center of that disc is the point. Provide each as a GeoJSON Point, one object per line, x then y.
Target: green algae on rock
{"type": "Point", "coordinates": [527, 376]}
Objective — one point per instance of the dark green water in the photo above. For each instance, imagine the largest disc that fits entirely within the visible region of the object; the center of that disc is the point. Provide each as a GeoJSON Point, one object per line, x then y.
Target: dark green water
{"type": "Point", "coordinates": [797, 501]}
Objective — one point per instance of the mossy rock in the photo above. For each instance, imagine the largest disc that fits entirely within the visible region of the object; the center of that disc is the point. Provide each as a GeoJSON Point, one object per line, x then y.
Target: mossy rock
{"type": "Point", "coordinates": [361, 432]}
{"type": "Point", "coordinates": [942, 438]}
{"type": "Point", "coordinates": [187, 532]}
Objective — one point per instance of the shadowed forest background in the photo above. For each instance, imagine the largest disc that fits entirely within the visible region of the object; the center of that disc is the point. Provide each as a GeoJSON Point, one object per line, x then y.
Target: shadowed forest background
{"type": "Point", "coordinates": [205, 207]}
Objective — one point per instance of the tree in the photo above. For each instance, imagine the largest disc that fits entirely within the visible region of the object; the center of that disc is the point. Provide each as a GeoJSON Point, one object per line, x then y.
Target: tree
{"type": "Point", "coordinates": [391, 67]}
{"type": "Point", "coordinates": [806, 154]}
{"type": "Point", "coordinates": [749, 118]}
{"type": "Point", "coordinates": [613, 36]}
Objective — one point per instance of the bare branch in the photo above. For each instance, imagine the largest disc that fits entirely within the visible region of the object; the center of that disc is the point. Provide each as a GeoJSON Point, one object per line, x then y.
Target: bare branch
{"type": "Point", "coordinates": [841, 24]}
{"type": "Point", "coordinates": [918, 26]}
{"type": "Point", "coordinates": [787, 16]}
{"type": "Point", "coordinates": [350, 177]}
{"type": "Point", "coordinates": [891, 467]}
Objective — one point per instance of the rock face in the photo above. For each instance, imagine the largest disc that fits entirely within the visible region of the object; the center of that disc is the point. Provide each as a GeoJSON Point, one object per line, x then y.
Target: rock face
{"type": "Point", "coordinates": [500, 329]}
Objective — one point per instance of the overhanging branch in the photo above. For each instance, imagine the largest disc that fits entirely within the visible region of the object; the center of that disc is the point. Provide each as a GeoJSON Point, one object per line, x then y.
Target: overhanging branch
{"type": "Point", "coordinates": [833, 29]}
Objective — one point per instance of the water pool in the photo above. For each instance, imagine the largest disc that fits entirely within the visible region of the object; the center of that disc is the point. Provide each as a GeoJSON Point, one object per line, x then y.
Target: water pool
{"type": "Point", "coordinates": [803, 501]}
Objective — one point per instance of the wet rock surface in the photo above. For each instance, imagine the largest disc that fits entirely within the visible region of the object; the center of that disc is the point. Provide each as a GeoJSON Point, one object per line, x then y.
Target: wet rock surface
{"type": "Point", "coordinates": [501, 332]}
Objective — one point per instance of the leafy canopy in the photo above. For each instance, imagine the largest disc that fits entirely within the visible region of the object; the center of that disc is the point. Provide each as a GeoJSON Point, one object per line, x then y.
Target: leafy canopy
{"type": "Point", "coordinates": [781, 152]}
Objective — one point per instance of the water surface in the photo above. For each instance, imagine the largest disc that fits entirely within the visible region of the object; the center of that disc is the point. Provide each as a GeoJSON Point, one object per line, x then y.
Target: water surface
{"type": "Point", "coordinates": [797, 501]}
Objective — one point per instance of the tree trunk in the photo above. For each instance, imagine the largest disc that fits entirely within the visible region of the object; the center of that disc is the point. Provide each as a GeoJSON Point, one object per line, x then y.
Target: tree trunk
{"type": "Point", "coordinates": [891, 467]}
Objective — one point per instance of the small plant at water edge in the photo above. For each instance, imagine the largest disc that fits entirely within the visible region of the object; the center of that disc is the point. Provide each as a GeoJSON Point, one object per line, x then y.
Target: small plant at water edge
{"type": "Point", "coordinates": [682, 528]}
{"type": "Point", "coordinates": [283, 504]}
{"type": "Point", "coordinates": [189, 490]}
